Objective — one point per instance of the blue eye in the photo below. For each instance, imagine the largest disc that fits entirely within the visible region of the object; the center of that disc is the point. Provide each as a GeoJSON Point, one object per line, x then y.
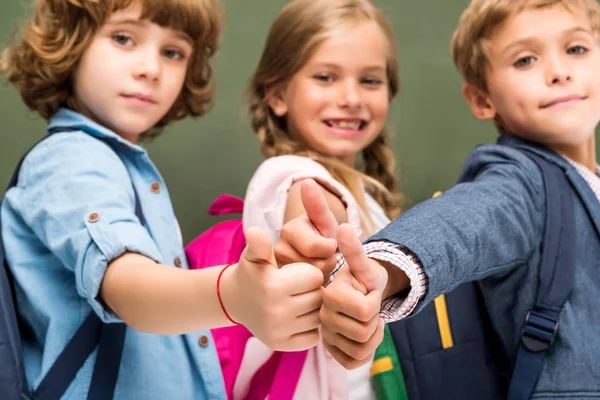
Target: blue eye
{"type": "Point", "coordinates": [323, 78]}
{"type": "Point", "coordinates": [524, 61]}
{"type": "Point", "coordinates": [372, 81]}
{"type": "Point", "coordinates": [576, 50]}
{"type": "Point", "coordinates": [174, 54]}
{"type": "Point", "coordinates": [122, 39]}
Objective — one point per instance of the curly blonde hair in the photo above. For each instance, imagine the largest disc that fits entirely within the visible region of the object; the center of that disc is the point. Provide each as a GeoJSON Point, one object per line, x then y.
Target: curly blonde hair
{"type": "Point", "coordinates": [41, 64]}
{"type": "Point", "coordinates": [296, 33]}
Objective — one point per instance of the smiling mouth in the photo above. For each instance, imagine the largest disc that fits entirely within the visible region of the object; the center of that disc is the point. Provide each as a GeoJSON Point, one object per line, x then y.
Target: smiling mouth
{"type": "Point", "coordinates": [563, 100]}
{"type": "Point", "coordinates": [355, 125]}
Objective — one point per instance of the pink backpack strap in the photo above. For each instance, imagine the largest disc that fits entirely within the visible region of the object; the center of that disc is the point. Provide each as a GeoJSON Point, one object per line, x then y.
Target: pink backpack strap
{"type": "Point", "coordinates": [226, 204]}
{"type": "Point", "coordinates": [278, 377]}
{"type": "Point", "coordinates": [288, 375]}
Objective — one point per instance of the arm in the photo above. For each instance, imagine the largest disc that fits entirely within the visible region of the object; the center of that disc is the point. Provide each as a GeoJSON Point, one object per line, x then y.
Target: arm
{"type": "Point", "coordinates": [397, 279]}
{"type": "Point", "coordinates": [460, 224]}
{"type": "Point", "coordinates": [117, 267]}
{"type": "Point", "coordinates": [156, 298]}
{"type": "Point", "coordinates": [486, 226]}
{"type": "Point", "coordinates": [279, 306]}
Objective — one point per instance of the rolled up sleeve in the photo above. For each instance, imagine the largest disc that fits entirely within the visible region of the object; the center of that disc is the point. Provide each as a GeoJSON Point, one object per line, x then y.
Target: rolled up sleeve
{"type": "Point", "coordinates": [78, 198]}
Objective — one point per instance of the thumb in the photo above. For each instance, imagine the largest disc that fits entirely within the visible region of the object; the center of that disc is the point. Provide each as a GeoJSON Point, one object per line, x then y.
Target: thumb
{"type": "Point", "coordinates": [317, 210]}
{"type": "Point", "coordinates": [364, 270]}
{"type": "Point", "coordinates": [259, 247]}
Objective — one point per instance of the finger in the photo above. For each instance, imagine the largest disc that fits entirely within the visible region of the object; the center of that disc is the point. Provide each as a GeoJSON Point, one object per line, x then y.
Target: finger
{"type": "Point", "coordinates": [350, 302]}
{"type": "Point", "coordinates": [306, 303]}
{"type": "Point", "coordinates": [345, 360]}
{"type": "Point", "coordinates": [362, 268]}
{"type": "Point", "coordinates": [327, 266]}
{"type": "Point", "coordinates": [354, 349]}
{"type": "Point", "coordinates": [300, 278]}
{"type": "Point", "coordinates": [336, 323]}
{"type": "Point", "coordinates": [306, 322]}
{"type": "Point", "coordinates": [343, 278]}
{"type": "Point", "coordinates": [317, 209]}
{"type": "Point", "coordinates": [300, 341]}
{"type": "Point", "coordinates": [286, 254]}
{"type": "Point", "coordinates": [300, 235]}
{"type": "Point", "coordinates": [259, 248]}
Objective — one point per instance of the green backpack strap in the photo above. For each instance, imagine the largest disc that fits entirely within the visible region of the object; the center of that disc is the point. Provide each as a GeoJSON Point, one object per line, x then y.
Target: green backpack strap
{"type": "Point", "coordinates": [386, 372]}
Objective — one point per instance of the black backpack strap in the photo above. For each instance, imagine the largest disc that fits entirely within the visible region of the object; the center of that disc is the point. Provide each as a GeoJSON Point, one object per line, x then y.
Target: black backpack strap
{"type": "Point", "coordinates": [12, 370]}
{"type": "Point", "coordinates": [557, 272]}
{"type": "Point", "coordinates": [110, 339]}
{"type": "Point", "coordinates": [8, 303]}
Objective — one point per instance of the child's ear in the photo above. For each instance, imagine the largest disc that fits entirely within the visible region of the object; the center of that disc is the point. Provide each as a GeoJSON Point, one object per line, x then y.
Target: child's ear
{"type": "Point", "coordinates": [479, 102]}
{"type": "Point", "coordinates": [276, 99]}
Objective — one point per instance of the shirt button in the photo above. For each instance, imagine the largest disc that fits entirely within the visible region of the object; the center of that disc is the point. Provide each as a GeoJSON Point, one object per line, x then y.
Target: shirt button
{"type": "Point", "coordinates": [155, 187]}
{"type": "Point", "coordinates": [203, 341]}
{"type": "Point", "coordinates": [177, 262]}
{"type": "Point", "coordinates": [93, 217]}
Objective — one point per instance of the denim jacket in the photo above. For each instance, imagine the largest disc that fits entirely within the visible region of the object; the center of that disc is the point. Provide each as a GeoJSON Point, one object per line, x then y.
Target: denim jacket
{"type": "Point", "coordinates": [491, 230]}
{"type": "Point", "coordinates": [73, 212]}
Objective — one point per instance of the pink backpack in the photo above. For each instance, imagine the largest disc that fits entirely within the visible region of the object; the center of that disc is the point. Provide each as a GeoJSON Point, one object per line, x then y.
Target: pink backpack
{"type": "Point", "coordinates": [223, 244]}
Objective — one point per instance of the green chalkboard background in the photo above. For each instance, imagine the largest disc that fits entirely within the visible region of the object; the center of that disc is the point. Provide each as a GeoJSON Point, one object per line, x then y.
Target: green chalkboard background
{"type": "Point", "coordinates": [433, 130]}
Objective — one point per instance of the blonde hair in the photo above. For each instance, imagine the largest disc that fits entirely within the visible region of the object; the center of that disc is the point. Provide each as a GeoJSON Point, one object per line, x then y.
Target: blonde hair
{"type": "Point", "coordinates": [42, 63]}
{"type": "Point", "coordinates": [294, 36]}
{"type": "Point", "coordinates": [469, 44]}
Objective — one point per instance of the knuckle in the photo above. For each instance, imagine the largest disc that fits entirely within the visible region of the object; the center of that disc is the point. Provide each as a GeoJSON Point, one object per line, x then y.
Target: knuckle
{"type": "Point", "coordinates": [281, 249]}
{"type": "Point", "coordinates": [363, 335]}
{"type": "Point", "coordinates": [363, 353]}
{"type": "Point", "coordinates": [316, 276]}
{"type": "Point", "coordinates": [287, 231]}
{"type": "Point", "coordinates": [364, 312]}
{"type": "Point", "coordinates": [309, 246]}
{"type": "Point", "coordinates": [329, 295]}
{"type": "Point", "coordinates": [314, 338]}
{"type": "Point", "coordinates": [348, 362]}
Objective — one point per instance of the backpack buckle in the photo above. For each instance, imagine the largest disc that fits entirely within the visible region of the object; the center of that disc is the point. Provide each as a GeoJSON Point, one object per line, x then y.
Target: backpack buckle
{"type": "Point", "coordinates": [539, 330]}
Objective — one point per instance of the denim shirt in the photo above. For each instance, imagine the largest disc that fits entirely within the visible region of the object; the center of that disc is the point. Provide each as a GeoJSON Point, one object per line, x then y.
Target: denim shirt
{"type": "Point", "coordinates": [491, 230]}
{"type": "Point", "coordinates": [72, 213]}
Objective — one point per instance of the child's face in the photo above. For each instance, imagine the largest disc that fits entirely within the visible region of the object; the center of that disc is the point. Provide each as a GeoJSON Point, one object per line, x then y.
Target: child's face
{"type": "Point", "coordinates": [132, 73]}
{"type": "Point", "coordinates": [544, 77]}
{"type": "Point", "coordinates": [338, 102]}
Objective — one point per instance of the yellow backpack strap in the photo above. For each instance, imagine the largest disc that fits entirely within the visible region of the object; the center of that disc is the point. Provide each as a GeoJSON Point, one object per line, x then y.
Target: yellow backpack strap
{"type": "Point", "coordinates": [441, 312]}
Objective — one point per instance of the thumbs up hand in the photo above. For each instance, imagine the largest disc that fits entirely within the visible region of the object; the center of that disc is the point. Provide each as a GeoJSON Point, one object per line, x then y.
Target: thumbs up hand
{"type": "Point", "coordinates": [310, 237]}
{"type": "Point", "coordinates": [280, 306]}
{"type": "Point", "coordinates": [350, 322]}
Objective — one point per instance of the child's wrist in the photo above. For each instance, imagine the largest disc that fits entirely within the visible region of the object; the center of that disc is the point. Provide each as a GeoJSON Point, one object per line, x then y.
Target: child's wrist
{"type": "Point", "coordinates": [226, 292]}
{"type": "Point", "coordinates": [397, 280]}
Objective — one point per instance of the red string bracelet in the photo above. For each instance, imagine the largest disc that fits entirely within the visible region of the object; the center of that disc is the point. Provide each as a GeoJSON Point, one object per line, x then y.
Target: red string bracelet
{"type": "Point", "coordinates": [219, 295]}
